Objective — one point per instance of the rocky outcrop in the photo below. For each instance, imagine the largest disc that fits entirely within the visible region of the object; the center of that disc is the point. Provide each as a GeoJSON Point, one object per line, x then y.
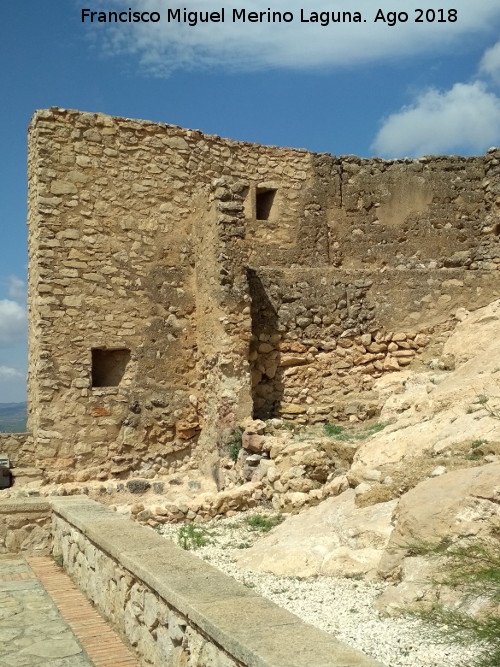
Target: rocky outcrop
{"type": "Point", "coordinates": [335, 538]}
{"type": "Point", "coordinates": [447, 415]}
{"type": "Point", "coordinates": [457, 505]}
{"type": "Point", "coordinates": [460, 503]}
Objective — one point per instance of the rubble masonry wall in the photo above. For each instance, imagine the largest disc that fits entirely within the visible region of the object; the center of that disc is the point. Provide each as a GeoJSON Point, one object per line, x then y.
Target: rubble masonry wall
{"type": "Point", "coordinates": [228, 280]}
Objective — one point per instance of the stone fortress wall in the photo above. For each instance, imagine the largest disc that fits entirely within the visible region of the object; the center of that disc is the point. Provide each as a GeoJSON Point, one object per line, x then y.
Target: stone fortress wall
{"type": "Point", "coordinates": [180, 283]}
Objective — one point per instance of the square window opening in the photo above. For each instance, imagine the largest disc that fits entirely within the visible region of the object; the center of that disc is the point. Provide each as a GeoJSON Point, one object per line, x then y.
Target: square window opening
{"type": "Point", "coordinates": [108, 366]}
{"type": "Point", "coordinates": [264, 200]}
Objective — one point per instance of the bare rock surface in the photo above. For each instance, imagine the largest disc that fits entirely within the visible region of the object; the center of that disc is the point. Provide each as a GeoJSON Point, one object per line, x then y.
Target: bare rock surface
{"type": "Point", "coordinates": [433, 473]}
{"type": "Point", "coordinates": [461, 503]}
{"type": "Point", "coordinates": [333, 538]}
{"type": "Point", "coordinates": [442, 412]}
{"type": "Point", "coordinates": [480, 326]}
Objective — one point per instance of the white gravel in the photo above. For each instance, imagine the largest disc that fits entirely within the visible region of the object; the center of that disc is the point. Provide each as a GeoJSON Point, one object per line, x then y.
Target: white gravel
{"type": "Point", "coordinates": [340, 606]}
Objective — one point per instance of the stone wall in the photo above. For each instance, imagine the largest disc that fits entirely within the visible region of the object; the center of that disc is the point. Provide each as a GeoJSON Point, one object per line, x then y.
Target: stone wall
{"type": "Point", "coordinates": [173, 608]}
{"type": "Point", "coordinates": [25, 526]}
{"type": "Point", "coordinates": [437, 211]}
{"type": "Point", "coordinates": [180, 283]}
{"type": "Point", "coordinates": [18, 447]}
{"type": "Point", "coordinates": [320, 339]}
{"type": "Point", "coordinates": [102, 279]}
{"type": "Point", "coordinates": [127, 254]}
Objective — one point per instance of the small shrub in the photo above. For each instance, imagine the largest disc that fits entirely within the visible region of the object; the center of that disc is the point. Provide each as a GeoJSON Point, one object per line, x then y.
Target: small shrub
{"type": "Point", "coordinates": [473, 567]}
{"type": "Point", "coordinates": [191, 537]}
{"type": "Point", "coordinates": [475, 456]}
{"type": "Point", "coordinates": [59, 560]}
{"type": "Point", "coordinates": [484, 401]}
{"type": "Point", "coordinates": [262, 523]}
{"type": "Point", "coordinates": [234, 444]}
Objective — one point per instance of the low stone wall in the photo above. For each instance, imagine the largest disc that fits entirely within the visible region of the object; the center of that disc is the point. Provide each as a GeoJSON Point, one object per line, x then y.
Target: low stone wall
{"type": "Point", "coordinates": [173, 608]}
{"type": "Point", "coordinates": [18, 447]}
{"type": "Point", "coordinates": [25, 526]}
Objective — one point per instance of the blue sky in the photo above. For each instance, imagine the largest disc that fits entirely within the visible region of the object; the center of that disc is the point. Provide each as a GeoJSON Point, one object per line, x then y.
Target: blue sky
{"type": "Point", "coordinates": [365, 88]}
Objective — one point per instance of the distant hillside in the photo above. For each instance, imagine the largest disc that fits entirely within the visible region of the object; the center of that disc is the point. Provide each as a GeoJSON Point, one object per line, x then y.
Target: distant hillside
{"type": "Point", "coordinates": [13, 417]}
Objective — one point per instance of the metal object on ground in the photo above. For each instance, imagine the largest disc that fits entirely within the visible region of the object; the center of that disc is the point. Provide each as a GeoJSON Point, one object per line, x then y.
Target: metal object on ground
{"type": "Point", "coordinates": [5, 475]}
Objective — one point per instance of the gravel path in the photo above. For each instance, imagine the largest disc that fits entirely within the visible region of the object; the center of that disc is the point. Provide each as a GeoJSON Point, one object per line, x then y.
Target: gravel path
{"type": "Point", "coordinates": [341, 606]}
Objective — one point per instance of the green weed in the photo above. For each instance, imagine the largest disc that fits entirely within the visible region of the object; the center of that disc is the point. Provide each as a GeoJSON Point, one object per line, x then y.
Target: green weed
{"type": "Point", "coordinates": [234, 445]}
{"type": "Point", "coordinates": [475, 456]}
{"type": "Point", "coordinates": [262, 523]}
{"type": "Point", "coordinates": [191, 537]}
{"type": "Point", "coordinates": [351, 434]}
{"type": "Point", "coordinates": [376, 428]}
{"type": "Point", "coordinates": [333, 429]}
{"type": "Point", "coordinates": [293, 428]}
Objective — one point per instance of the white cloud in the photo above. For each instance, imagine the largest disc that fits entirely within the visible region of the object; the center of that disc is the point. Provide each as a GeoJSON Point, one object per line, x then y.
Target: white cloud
{"type": "Point", "coordinates": [17, 288]}
{"type": "Point", "coordinates": [13, 323]}
{"type": "Point", "coordinates": [7, 373]}
{"type": "Point", "coordinates": [162, 47]}
{"type": "Point", "coordinates": [465, 118]}
{"type": "Point", "coordinates": [490, 62]}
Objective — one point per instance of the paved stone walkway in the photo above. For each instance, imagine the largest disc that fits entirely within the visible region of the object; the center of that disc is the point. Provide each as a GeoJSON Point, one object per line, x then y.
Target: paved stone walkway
{"type": "Point", "coordinates": [51, 625]}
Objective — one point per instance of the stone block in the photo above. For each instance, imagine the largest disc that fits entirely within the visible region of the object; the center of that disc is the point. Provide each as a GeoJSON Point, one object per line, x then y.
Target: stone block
{"type": "Point", "coordinates": [137, 485]}
{"type": "Point", "coordinates": [252, 442]}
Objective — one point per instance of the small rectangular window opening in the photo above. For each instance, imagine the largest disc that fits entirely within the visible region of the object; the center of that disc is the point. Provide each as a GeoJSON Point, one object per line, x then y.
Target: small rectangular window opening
{"type": "Point", "coordinates": [108, 366]}
{"type": "Point", "coordinates": [264, 200]}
